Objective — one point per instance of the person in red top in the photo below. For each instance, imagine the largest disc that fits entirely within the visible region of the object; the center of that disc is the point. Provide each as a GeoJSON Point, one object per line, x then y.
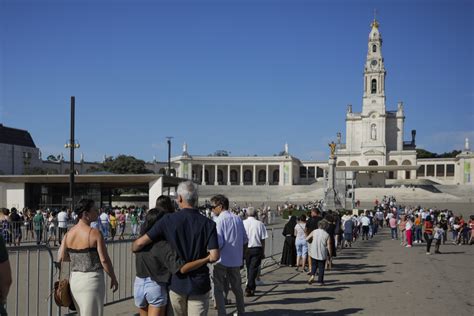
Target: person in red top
{"type": "Point", "coordinates": [428, 233]}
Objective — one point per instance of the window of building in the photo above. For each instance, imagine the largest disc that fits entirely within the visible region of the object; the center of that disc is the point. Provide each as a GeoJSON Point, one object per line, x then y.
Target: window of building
{"type": "Point", "coordinates": [373, 88]}
{"type": "Point", "coordinates": [430, 170]}
{"type": "Point", "coordinates": [303, 172]}
{"type": "Point", "coordinates": [440, 170]}
{"type": "Point", "coordinates": [311, 172]}
{"type": "Point", "coordinates": [420, 172]}
{"type": "Point", "coordinates": [374, 48]}
{"type": "Point", "coordinates": [450, 170]}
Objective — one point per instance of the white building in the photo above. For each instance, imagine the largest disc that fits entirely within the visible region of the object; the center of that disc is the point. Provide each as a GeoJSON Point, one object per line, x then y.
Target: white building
{"type": "Point", "coordinates": [374, 137]}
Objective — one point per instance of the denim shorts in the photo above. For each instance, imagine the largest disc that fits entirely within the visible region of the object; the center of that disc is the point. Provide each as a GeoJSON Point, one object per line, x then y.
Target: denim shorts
{"type": "Point", "coordinates": [148, 292]}
{"type": "Point", "coordinates": [301, 247]}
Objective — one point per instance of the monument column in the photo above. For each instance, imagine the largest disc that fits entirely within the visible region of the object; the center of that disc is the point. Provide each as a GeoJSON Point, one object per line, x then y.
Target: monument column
{"type": "Point", "coordinates": [254, 178]}
{"type": "Point", "coordinates": [190, 171]}
{"type": "Point", "coordinates": [241, 175]}
{"type": "Point", "coordinates": [216, 182]}
{"type": "Point", "coordinates": [266, 175]}
{"type": "Point", "coordinates": [228, 175]}
{"type": "Point", "coordinates": [203, 179]}
{"type": "Point", "coordinates": [330, 198]}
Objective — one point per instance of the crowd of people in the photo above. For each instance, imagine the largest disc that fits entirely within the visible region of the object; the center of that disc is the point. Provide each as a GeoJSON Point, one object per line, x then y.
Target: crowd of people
{"type": "Point", "coordinates": [48, 226]}
{"type": "Point", "coordinates": [185, 257]}
{"type": "Point", "coordinates": [312, 239]}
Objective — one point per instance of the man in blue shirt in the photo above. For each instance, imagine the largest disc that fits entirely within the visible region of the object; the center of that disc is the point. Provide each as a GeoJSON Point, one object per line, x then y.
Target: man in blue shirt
{"type": "Point", "coordinates": [232, 240]}
{"type": "Point", "coordinates": [192, 236]}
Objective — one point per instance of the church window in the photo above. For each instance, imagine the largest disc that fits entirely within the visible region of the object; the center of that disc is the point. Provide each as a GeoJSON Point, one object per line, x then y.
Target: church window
{"type": "Point", "coordinates": [373, 88]}
{"type": "Point", "coordinates": [374, 48]}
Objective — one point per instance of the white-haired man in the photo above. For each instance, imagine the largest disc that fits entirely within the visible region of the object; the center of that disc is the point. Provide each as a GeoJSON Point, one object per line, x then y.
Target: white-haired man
{"type": "Point", "coordinates": [191, 235]}
{"type": "Point", "coordinates": [256, 233]}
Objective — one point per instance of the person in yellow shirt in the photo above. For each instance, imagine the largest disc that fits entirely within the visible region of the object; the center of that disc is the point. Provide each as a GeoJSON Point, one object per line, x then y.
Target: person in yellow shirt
{"type": "Point", "coordinates": [113, 224]}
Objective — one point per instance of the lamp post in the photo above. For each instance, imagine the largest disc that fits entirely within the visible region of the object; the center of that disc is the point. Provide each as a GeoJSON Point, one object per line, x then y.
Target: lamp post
{"type": "Point", "coordinates": [169, 154]}
{"type": "Point", "coordinates": [169, 158]}
{"type": "Point", "coordinates": [72, 145]}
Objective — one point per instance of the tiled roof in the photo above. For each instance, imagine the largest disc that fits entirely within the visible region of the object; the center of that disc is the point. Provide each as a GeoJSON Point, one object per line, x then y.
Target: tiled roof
{"type": "Point", "coordinates": [14, 136]}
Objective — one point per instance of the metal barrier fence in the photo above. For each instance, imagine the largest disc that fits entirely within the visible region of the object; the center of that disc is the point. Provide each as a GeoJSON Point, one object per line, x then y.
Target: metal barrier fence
{"type": "Point", "coordinates": [33, 275]}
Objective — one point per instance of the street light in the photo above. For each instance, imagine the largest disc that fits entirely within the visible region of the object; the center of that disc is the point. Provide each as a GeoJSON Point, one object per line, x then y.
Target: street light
{"type": "Point", "coordinates": [72, 145]}
{"type": "Point", "coordinates": [169, 153]}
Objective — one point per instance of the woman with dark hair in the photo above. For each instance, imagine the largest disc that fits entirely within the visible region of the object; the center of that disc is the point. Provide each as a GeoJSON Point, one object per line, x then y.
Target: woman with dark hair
{"type": "Point", "coordinates": [85, 248]}
{"type": "Point", "coordinates": [288, 256]}
{"type": "Point", "coordinates": [154, 265]}
{"type": "Point", "coordinates": [164, 202]}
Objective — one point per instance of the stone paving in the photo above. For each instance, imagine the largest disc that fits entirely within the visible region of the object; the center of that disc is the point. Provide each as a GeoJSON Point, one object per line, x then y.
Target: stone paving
{"type": "Point", "coordinates": [374, 277]}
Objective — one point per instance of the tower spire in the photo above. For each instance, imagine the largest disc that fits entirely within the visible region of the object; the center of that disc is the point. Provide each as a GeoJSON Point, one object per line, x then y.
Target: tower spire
{"type": "Point", "coordinates": [374, 22]}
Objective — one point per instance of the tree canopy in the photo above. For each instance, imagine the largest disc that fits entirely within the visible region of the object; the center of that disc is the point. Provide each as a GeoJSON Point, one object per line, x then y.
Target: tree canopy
{"type": "Point", "coordinates": [122, 164]}
{"type": "Point", "coordinates": [422, 153]}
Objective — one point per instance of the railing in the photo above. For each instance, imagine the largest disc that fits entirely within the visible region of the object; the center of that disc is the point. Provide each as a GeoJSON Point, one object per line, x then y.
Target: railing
{"type": "Point", "coordinates": [33, 275]}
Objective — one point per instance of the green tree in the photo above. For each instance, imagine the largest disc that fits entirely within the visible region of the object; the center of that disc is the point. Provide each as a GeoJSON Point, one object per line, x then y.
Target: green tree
{"type": "Point", "coordinates": [124, 164]}
{"type": "Point", "coordinates": [422, 153]}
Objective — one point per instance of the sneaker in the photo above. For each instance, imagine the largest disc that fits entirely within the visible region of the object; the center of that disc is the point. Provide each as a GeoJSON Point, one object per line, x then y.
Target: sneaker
{"type": "Point", "coordinates": [311, 280]}
{"type": "Point", "coordinates": [259, 282]}
{"type": "Point", "coordinates": [408, 246]}
{"type": "Point", "coordinates": [428, 253]}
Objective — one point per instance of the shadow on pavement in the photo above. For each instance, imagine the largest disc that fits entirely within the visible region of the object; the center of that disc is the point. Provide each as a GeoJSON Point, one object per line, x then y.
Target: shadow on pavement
{"type": "Point", "coordinates": [296, 300]}
{"type": "Point", "coordinates": [290, 312]}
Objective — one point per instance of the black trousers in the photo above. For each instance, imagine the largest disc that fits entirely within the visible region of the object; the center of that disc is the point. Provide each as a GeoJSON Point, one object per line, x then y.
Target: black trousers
{"type": "Point", "coordinates": [365, 232]}
{"type": "Point", "coordinates": [253, 259]}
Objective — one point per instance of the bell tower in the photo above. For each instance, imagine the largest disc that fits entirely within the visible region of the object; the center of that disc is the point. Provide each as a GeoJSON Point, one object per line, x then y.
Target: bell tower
{"type": "Point", "coordinates": [374, 74]}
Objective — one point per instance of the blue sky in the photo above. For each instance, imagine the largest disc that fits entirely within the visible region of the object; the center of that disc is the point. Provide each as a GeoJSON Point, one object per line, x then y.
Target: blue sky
{"type": "Point", "coordinates": [242, 76]}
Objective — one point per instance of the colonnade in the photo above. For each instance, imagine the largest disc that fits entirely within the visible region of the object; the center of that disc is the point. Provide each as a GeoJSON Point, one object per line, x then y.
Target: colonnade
{"type": "Point", "coordinates": [238, 174]}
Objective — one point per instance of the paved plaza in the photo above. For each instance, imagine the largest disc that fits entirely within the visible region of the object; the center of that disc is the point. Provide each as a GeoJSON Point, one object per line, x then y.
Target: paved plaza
{"type": "Point", "coordinates": [375, 277]}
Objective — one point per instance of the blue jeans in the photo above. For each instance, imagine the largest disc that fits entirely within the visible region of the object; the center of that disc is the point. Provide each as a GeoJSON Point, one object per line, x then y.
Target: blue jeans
{"type": "Point", "coordinates": [320, 264]}
{"type": "Point", "coordinates": [148, 292]}
{"type": "Point", "coordinates": [39, 235]}
{"type": "Point", "coordinates": [418, 235]}
{"type": "Point", "coordinates": [394, 233]}
{"type": "Point", "coordinates": [301, 247]}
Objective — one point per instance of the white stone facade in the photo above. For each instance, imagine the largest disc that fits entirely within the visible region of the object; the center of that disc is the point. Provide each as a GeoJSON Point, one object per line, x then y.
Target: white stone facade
{"type": "Point", "coordinates": [374, 136]}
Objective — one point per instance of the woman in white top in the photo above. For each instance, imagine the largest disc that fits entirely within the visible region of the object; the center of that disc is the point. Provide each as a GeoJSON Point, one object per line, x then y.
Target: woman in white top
{"type": "Point", "coordinates": [301, 243]}
{"type": "Point", "coordinates": [320, 251]}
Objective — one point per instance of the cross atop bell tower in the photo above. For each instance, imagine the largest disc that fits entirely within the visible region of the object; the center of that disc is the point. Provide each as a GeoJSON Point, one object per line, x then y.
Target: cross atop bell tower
{"type": "Point", "coordinates": [374, 73]}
